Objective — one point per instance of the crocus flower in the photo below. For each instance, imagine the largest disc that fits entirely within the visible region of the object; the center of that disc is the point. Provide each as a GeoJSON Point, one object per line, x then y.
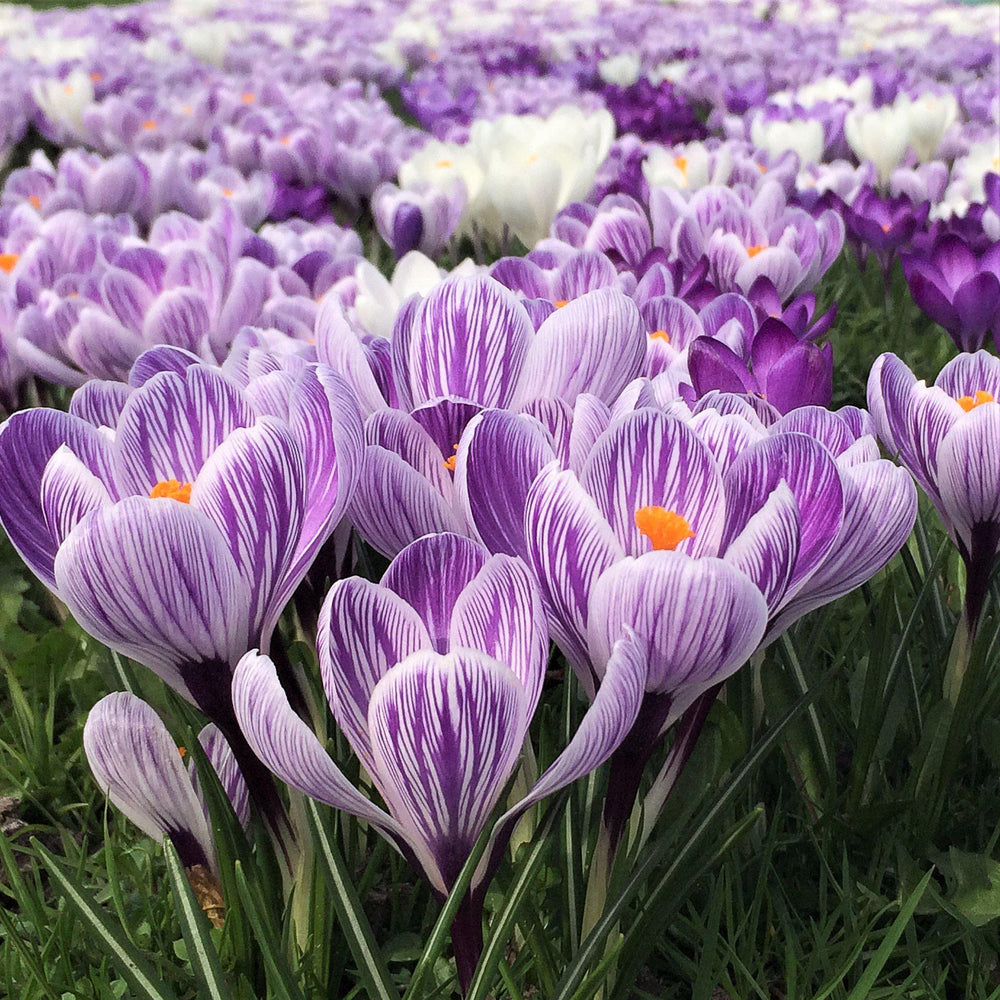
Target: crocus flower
{"type": "Point", "coordinates": [139, 767]}
{"type": "Point", "coordinates": [176, 516]}
{"type": "Point", "coordinates": [948, 436]}
{"type": "Point", "coordinates": [433, 675]}
{"type": "Point", "coordinates": [421, 218]}
{"type": "Point", "coordinates": [958, 289]}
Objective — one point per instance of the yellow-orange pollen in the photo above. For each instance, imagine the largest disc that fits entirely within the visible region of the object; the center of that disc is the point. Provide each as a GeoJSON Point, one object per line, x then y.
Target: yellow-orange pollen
{"type": "Point", "coordinates": [171, 489]}
{"type": "Point", "coordinates": [970, 402]}
{"type": "Point", "coordinates": [182, 751]}
{"type": "Point", "coordinates": [681, 163]}
{"type": "Point", "coordinates": [449, 463]}
{"type": "Point", "coordinates": [443, 164]}
{"type": "Point", "coordinates": [34, 201]}
{"type": "Point", "coordinates": [666, 529]}
{"type": "Point", "coordinates": [8, 261]}
{"type": "Point", "coordinates": [660, 335]}
{"type": "Point", "coordinates": [248, 97]}
{"type": "Point", "coordinates": [559, 303]}
{"type": "Point", "coordinates": [756, 249]}
{"type": "Point", "coordinates": [149, 125]}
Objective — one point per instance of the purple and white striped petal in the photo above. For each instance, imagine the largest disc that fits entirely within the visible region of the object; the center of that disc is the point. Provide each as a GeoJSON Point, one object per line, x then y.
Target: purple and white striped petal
{"type": "Point", "coordinates": [570, 545]}
{"type": "Point", "coordinates": [253, 489]}
{"type": "Point", "coordinates": [468, 338]}
{"type": "Point", "coordinates": [364, 629]}
{"type": "Point", "coordinates": [290, 748]}
{"type": "Point", "coordinates": [172, 424]}
{"type": "Point", "coordinates": [701, 619]}
{"type": "Point", "coordinates": [100, 403]}
{"type": "Point", "coordinates": [498, 458]}
{"type": "Point", "coordinates": [648, 458]}
{"type": "Point", "coordinates": [69, 491]}
{"type": "Point", "coordinates": [338, 346]}
{"type": "Point", "coordinates": [28, 440]}
{"type": "Point", "coordinates": [223, 762]}
{"type": "Point", "coordinates": [810, 473]}
{"type": "Point", "coordinates": [154, 580]}
{"type": "Point", "coordinates": [594, 344]}
{"type": "Point", "coordinates": [446, 733]}
{"type": "Point", "coordinates": [137, 765]}
{"type": "Point", "coordinates": [500, 613]}
{"type": "Point", "coordinates": [880, 507]}
{"type": "Point", "coordinates": [430, 575]}
{"type": "Point", "coordinates": [394, 504]}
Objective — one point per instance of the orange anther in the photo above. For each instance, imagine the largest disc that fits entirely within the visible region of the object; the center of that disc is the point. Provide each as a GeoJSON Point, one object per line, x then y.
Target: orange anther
{"type": "Point", "coordinates": [969, 403]}
{"type": "Point", "coordinates": [756, 249]}
{"type": "Point", "coordinates": [666, 529]}
{"type": "Point", "coordinates": [660, 335]}
{"type": "Point", "coordinates": [171, 489]}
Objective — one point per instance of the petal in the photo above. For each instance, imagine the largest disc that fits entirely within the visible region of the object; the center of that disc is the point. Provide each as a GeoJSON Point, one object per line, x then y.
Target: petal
{"type": "Point", "coordinates": [701, 619]}
{"type": "Point", "coordinates": [468, 338]}
{"type": "Point", "coordinates": [339, 346]}
{"type": "Point", "coordinates": [179, 317]}
{"type": "Point", "coordinates": [28, 440]}
{"type": "Point", "coordinates": [364, 630]}
{"type": "Point", "coordinates": [430, 575]}
{"type": "Point", "coordinates": [498, 458]}
{"type": "Point", "coordinates": [289, 747]}
{"type": "Point", "coordinates": [395, 504]}
{"type": "Point", "coordinates": [223, 762]}
{"type": "Point", "coordinates": [569, 545]}
{"type": "Point", "coordinates": [595, 344]}
{"type": "Point", "coordinates": [99, 403]}
{"type": "Point", "coordinates": [162, 358]}
{"type": "Point", "coordinates": [136, 764]}
{"type": "Point", "coordinates": [500, 613]}
{"type": "Point", "coordinates": [69, 491]}
{"type": "Point", "coordinates": [172, 424]}
{"type": "Point", "coordinates": [810, 473]}
{"type": "Point", "coordinates": [446, 733]}
{"type": "Point", "coordinates": [252, 488]}
{"type": "Point", "coordinates": [648, 458]}
{"type": "Point", "coordinates": [154, 580]}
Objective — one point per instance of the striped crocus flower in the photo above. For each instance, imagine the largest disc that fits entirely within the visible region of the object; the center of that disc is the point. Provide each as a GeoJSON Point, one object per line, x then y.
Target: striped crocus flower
{"type": "Point", "coordinates": [176, 515]}
{"type": "Point", "coordinates": [434, 675]}
{"type": "Point", "coordinates": [948, 436]}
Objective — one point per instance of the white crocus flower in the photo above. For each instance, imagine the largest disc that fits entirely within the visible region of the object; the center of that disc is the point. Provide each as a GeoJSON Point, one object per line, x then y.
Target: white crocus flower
{"type": "Point", "coordinates": [880, 136]}
{"type": "Point", "coordinates": [803, 136]}
{"type": "Point", "coordinates": [688, 167]}
{"type": "Point", "coordinates": [64, 101]}
{"type": "Point", "coordinates": [930, 115]}
{"type": "Point", "coordinates": [622, 70]}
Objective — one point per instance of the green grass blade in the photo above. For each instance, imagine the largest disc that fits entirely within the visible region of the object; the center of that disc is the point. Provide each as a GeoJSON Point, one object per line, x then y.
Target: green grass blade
{"type": "Point", "coordinates": [133, 968]}
{"type": "Point", "coordinates": [280, 980]}
{"type": "Point", "coordinates": [360, 939]}
{"type": "Point", "coordinates": [201, 950]}
{"type": "Point", "coordinates": [864, 985]}
{"type": "Point", "coordinates": [503, 926]}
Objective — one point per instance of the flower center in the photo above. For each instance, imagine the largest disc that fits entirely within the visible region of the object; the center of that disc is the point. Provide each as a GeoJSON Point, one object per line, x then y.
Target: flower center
{"type": "Point", "coordinates": [8, 261]}
{"type": "Point", "coordinates": [248, 97]}
{"type": "Point", "coordinates": [96, 77]}
{"type": "Point", "coordinates": [660, 335]}
{"type": "Point", "coordinates": [149, 125]}
{"type": "Point", "coordinates": [665, 529]}
{"type": "Point", "coordinates": [681, 163]}
{"type": "Point", "coordinates": [34, 201]}
{"type": "Point", "coordinates": [171, 489]}
{"type": "Point", "coordinates": [756, 249]}
{"type": "Point", "coordinates": [449, 462]}
{"type": "Point", "coordinates": [971, 402]}
{"type": "Point", "coordinates": [559, 303]}
{"type": "Point", "coordinates": [443, 164]}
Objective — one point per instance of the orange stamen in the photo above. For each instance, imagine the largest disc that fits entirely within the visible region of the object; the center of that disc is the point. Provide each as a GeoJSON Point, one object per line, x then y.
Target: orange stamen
{"type": "Point", "coordinates": [681, 163]}
{"type": "Point", "coordinates": [248, 97]}
{"type": "Point", "coordinates": [443, 163]}
{"type": "Point", "coordinates": [559, 303]}
{"type": "Point", "coordinates": [666, 529]}
{"type": "Point", "coordinates": [182, 751]}
{"type": "Point", "coordinates": [449, 463]}
{"type": "Point", "coordinates": [886, 227]}
{"type": "Point", "coordinates": [756, 249]}
{"type": "Point", "coordinates": [285, 140]}
{"type": "Point", "coordinates": [969, 403]}
{"type": "Point", "coordinates": [96, 77]}
{"type": "Point", "coordinates": [8, 261]}
{"type": "Point", "coordinates": [149, 125]}
{"type": "Point", "coordinates": [171, 489]}
{"type": "Point", "coordinates": [227, 192]}
{"type": "Point", "coordinates": [660, 335]}
{"type": "Point", "coordinates": [34, 201]}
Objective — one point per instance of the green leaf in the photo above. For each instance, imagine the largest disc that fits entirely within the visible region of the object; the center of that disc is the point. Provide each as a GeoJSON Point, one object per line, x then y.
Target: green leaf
{"type": "Point", "coordinates": [201, 951]}
{"type": "Point", "coordinates": [977, 894]}
{"type": "Point", "coordinates": [133, 968]}
{"type": "Point", "coordinates": [360, 939]}
{"type": "Point", "coordinates": [863, 987]}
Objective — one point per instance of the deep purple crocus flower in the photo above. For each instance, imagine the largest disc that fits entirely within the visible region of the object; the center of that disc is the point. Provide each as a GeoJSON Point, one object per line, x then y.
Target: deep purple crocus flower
{"type": "Point", "coordinates": [883, 225]}
{"type": "Point", "coordinates": [433, 675]}
{"type": "Point", "coordinates": [958, 289]}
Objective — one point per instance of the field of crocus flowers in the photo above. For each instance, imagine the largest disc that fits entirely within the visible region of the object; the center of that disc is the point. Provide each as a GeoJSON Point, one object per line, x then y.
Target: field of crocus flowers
{"type": "Point", "coordinates": [500, 500]}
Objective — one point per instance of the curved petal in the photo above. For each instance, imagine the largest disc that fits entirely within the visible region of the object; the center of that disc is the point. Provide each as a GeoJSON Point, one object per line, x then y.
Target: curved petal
{"type": "Point", "coordinates": [446, 732]}
{"type": "Point", "coordinates": [500, 613]}
{"type": "Point", "coordinates": [69, 491]}
{"type": "Point", "coordinates": [647, 458]}
{"type": "Point", "coordinates": [339, 346]}
{"type": "Point", "coordinates": [252, 488]}
{"type": "Point", "coordinates": [100, 403]}
{"type": "Point", "coordinates": [154, 580]}
{"type": "Point", "coordinates": [289, 747]}
{"type": "Point", "coordinates": [595, 344]}
{"type": "Point", "coordinates": [28, 440]}
{"type": "Point", "coordinates": [569, 545]}
{"type": "Point", "coordinates": [364, 629]}
{"type": "Point", "coordinates": [701, 619]}
{"type": "Point", "coordinates": [498, 458]}
{"type": "Point", "coordinates": [137, 765]}
{"type": "Point", "coordinates": [223, 762]}
{"type": "Point", "coordinates": [171, 425]}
